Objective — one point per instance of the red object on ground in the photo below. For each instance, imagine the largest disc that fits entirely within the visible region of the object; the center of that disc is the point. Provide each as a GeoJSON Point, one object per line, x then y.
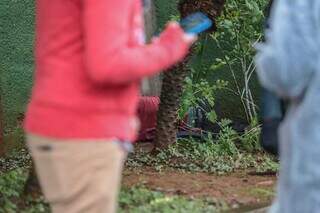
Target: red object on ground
{"type": "Point", "coordinates": [147, 112]}
{"type": "Point", "coordinates": [90, 57]}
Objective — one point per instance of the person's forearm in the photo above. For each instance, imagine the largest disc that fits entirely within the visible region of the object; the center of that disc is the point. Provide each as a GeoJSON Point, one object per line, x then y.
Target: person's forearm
{"type": "Point", "coordinates": [110, 58]}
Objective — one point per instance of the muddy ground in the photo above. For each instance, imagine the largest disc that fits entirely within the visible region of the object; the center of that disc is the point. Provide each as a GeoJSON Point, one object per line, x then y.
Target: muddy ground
{"type": "Point", "coordinates": [239, 190]}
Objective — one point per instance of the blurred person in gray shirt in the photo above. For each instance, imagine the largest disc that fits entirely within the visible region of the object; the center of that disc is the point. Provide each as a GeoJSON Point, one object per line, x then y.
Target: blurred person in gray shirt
{"type": "Point", "coordinates": [288, 64]}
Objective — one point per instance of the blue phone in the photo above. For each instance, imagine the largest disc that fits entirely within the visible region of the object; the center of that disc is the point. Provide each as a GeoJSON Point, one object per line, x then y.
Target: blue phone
{"type": "Point", "coordinates": [196, 23]}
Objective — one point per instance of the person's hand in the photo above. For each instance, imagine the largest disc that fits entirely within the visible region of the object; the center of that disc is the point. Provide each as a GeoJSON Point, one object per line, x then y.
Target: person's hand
{"type": "Point", "coordinates": [173, 31]}
{"type": "Point", "coordinates": [176, 41]}
{"type": "Point", "coordinates": [190, 38]}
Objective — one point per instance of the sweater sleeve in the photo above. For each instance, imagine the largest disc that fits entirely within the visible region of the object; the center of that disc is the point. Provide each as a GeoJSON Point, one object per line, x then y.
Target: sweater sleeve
{"type": "Point", "coordinates": [287, 61]}
{"type": "Point", "coordinates": [109, 56]}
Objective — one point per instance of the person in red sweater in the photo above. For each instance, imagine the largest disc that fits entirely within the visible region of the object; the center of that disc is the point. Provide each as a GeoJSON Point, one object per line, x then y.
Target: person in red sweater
{"type": "Point", "coordinates": [90, 56]}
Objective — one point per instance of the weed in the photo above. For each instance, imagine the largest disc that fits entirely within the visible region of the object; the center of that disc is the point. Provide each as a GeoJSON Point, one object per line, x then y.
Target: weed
{"type": "Point", "coordinates": [11, 185]}
{"type": "Point", "coordinates": [226, 152]}
{"type": "Point", "coordinates": [142, 200]}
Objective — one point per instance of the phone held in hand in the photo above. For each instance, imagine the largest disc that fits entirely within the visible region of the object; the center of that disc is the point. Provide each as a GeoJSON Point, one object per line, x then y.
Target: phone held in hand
{"type": "Point", "coordinates": [196, 23]}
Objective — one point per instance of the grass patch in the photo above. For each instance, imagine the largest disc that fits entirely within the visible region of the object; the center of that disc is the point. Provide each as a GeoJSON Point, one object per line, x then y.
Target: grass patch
{"type": "Point", "coordinates": [134, 200]}
{"type": "Point", "coordinates": [262, 193]}
{"type": "Point", "coordinates": [142, 200]}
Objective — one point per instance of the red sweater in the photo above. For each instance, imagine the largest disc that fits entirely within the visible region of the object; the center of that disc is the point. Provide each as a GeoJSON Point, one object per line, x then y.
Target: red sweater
{"type": "Point", "coordinates": [90, 56]}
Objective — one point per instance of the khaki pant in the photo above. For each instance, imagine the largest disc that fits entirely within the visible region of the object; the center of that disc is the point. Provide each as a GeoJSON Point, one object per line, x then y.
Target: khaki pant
{"type": "Point", "coordinates": [78, 176]}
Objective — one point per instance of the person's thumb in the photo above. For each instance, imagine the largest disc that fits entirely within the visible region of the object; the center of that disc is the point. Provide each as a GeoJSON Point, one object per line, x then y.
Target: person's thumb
{"type": "Point", "coordinates": [189, 38]}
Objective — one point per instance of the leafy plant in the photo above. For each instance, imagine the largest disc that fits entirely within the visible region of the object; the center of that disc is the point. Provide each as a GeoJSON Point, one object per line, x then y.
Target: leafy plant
{"type": "Point", "coordinates": [217, 154]}
{"type": "Point", "coordinates": [11, 199]}
{"type": "Point", "coordinates": [11, 185]}
{"type": "Point", "coordinates": [197, 91]}
{"type": "Point", "coordinates": [226, 138]}
{"type": "Point", "coordinates": [249, 140]}
{"type": "Point", "coordinates": [239, 29]}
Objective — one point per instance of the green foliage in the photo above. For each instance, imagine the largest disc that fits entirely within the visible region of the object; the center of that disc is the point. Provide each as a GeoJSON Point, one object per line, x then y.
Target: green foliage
{"type": "Point", "coordinates": [249, 140]}
{"type": "Point", "coordinates": [228, 55]}
{"type": "Point", "coordinates": [11, 185]}
{"type": "Point", "coordinates": [11, 199]}
{"type": "Point", "coordinates": [267, 165]}
{"type": "Point", "coordinates": [239, 29]}
{"type": "Point", "coordinates": [227, 138]}
{"type": "Point", "coordinates": [195, 92]}
{"type": "Point", "coordinates": [222, 153]}
{"type": "Point", "coordinates": [142, 200]}
{"type": "Point", "coordinates": [240, 26]}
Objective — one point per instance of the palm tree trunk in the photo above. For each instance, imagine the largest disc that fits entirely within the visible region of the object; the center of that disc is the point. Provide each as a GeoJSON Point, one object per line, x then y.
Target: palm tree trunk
{"type": "Point", "coordinates": [172, 88]}
{"type": "Point", "coordinates": [173, 80]}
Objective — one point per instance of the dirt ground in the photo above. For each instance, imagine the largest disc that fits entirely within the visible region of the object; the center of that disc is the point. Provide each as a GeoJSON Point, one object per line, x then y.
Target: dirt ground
{"type": "Point", "coordinates": [239, 189]}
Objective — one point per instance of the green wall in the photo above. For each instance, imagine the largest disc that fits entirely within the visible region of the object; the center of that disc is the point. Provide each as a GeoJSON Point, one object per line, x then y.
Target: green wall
{"type": "Point", "coordinates": [165, 9]}
{"type": "Point", "coordinates": [16, 56]}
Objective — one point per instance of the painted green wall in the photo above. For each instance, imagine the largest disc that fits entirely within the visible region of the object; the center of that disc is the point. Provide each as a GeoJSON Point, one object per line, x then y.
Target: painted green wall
{"type": "Point", "coordinates": [16, 56]}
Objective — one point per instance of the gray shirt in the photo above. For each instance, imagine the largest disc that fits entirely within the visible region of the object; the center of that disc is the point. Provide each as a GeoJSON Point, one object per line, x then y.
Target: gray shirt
{"type": "Point", "coordinates": [288, 64]}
